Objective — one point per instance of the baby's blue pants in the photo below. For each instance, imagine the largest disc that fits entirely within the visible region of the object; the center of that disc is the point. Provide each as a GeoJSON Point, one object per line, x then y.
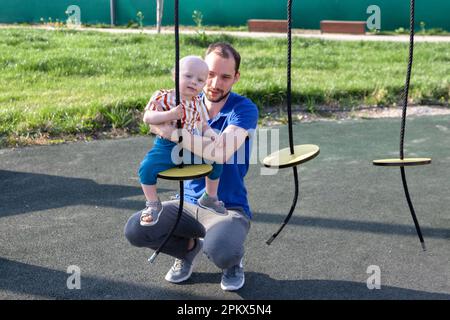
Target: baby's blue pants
{"type": "Point", "coordinates": [159, 158]}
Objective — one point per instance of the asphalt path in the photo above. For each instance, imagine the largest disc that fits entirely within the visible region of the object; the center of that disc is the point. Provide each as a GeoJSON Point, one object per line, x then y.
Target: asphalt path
{"type": "Point", "coordinates": [66, 205]}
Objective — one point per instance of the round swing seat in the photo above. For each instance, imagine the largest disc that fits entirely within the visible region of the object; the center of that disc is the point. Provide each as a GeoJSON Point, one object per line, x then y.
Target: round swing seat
{"type": "Point", "coordinates": [188, 172]}
{"type": "Point", "coordinates": [284, 159]}
{"type": "Point", "coordinates": [406, 162]}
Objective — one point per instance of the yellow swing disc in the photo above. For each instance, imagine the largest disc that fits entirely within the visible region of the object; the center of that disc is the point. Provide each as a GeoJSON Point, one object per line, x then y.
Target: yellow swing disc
{"type": "Point", "coordinates": [406, 162]}
{"type": "Point", "coordinates": [284, 159]}
{"type": "Point", "coordinates": [188, 172]}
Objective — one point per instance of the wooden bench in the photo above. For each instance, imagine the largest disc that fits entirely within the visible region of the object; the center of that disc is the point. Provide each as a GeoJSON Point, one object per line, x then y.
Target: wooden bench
{"type": "Point", "coordinates": [264, 25]}
{"type": "Point", "coordinates": [353, 27]}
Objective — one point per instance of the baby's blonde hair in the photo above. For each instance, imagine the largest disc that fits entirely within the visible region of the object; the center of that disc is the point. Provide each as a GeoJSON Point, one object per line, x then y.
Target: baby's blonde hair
{"type": "Point", "coordinates": [195, 59]}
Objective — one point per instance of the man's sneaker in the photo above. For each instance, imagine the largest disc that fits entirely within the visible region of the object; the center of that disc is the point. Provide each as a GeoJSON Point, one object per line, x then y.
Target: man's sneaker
{"type": "Point", "coordinates": [182, 268]}
{"type": "Point", "coordinates": [211, 203]}
{"type": "Point", "coordinates": [233, 278]}
{"type": "Point", "coordinates": [152, 209]}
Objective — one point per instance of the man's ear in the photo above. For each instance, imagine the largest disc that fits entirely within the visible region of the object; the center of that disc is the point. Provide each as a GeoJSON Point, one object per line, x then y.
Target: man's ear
{"type": "Point", "coordinates": [237, 76]}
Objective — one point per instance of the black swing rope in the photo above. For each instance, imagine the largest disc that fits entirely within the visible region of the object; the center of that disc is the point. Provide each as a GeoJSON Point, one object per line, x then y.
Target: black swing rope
{"type": "Point", "coordinates": [180, 136]}
{"type": "Point", "coordinates": [289, 107]}
{"type": "Point", "coordinates": [403, 125]}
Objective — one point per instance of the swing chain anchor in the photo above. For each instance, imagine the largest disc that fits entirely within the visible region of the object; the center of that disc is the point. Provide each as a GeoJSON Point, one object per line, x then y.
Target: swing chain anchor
{"type": "Point", "coordinates": [153, 257]}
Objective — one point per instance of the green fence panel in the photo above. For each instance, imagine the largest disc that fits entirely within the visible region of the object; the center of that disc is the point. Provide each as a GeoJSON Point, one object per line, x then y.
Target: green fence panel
{"type": "Point", "coordinates": [307, 14]}
{"type": "Point", "coordinates": [31, 11]}
{"type": "Point", "coordinates": [126, 11]}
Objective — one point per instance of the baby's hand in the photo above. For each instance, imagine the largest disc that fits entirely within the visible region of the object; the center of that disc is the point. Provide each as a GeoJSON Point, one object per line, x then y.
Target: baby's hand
{"type": "Point", "coordinates": [177, 112]}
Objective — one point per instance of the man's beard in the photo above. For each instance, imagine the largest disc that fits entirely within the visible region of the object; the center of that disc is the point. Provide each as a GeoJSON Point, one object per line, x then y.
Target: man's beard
{"type": "Point", "coordinates": [222, 97]}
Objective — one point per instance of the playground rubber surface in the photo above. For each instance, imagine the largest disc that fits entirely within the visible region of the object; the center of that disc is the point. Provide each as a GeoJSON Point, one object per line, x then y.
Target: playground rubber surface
{"type": "Point", "coordinates": [66, 205]}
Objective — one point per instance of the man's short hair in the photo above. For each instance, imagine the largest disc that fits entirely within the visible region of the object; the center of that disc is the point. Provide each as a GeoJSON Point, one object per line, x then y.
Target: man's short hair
{"type": "Point", "coordinates": [225, 50]}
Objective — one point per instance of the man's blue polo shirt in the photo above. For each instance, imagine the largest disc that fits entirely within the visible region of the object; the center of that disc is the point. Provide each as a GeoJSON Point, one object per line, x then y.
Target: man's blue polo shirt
{"type": "Point", "coordinates": [241, 112]}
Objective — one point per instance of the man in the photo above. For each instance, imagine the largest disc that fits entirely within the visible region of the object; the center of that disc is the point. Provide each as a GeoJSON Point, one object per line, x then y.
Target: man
{"type": "Point", "coordinates": [220, 237]}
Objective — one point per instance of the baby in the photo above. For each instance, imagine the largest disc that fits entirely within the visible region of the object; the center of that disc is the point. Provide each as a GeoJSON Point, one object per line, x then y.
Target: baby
{"type": "Point", "coordinates": [194, 116]}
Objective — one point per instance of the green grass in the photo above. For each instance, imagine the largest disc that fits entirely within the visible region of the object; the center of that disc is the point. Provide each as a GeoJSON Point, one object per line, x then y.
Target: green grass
{"type": "Point", "coordinates": [69, 82]}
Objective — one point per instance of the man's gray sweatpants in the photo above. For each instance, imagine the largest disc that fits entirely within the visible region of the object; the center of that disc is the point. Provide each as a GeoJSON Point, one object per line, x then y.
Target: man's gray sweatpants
{"type": "Point", "coordinates": [223, 235]}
